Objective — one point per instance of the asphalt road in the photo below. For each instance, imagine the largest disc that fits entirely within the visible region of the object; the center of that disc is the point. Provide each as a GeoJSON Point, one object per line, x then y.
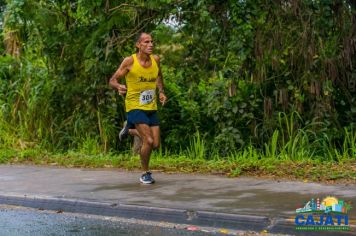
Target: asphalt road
{"type": "Point", "coordinates": [26, 221]}
{"type": "Point", "coordinates": [261, 205]}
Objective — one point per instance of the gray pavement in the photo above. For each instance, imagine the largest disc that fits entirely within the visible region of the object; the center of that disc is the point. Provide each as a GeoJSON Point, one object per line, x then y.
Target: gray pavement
{"type": "Point", "coordinates": [245, 203]}
{"type": "Point", "coordinates": [15, 221]}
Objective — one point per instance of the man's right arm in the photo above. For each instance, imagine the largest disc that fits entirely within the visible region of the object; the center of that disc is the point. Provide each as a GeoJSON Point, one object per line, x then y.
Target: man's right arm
{"type": "Point", "coordinates": [120, 73]}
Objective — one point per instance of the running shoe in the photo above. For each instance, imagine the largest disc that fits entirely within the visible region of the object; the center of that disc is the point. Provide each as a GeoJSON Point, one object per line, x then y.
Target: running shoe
{"type": "Point", "coordinates": [146, 178]}
{"type": "Point", "coordinates": [124, 133]}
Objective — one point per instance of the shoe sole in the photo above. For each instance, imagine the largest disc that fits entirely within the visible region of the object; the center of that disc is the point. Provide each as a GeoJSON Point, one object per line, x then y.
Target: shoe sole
{"type": "Point", "coordinates": [146, 182]}
{"type": "Point", "coordinates": [122, 135]}
{"type": "Point", "coordinates": [124, 132]}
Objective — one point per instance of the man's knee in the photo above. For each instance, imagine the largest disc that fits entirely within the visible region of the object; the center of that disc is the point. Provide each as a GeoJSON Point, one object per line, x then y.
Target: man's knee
{"type": "Point", "coordinates": [148, 140]}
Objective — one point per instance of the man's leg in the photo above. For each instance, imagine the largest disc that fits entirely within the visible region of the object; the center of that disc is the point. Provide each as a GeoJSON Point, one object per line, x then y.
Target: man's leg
{"type": "Point", "coordinates": [145, 133]}
{"type": "Point", "coordinates": [134, 132]}
{"type": "Point", "coordinates": [127, 129]}
{"type": "Point", "coordinates": [156, 137]}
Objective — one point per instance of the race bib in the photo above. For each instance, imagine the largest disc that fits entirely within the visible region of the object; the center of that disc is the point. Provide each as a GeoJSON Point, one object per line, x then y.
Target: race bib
{"type": "Point", "coordinates": [147, 96]}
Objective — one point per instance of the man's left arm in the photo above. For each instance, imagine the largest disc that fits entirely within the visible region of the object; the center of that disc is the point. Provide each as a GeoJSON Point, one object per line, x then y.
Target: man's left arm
{"type": "Point", "coordinates": [160, 85]}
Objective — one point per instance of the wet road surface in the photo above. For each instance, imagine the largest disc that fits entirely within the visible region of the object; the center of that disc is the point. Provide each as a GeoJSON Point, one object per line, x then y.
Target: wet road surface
{"type": "Point", "coordinates": [205, 200]}
{"type": "Point", "coordinates": [25, 221]}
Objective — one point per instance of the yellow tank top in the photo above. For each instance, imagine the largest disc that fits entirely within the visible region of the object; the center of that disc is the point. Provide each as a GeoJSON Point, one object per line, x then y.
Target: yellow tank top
{"type": "Point", "coordinates": [141, 86]}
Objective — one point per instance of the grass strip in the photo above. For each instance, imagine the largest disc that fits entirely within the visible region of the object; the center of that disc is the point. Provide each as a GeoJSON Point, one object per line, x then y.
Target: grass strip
{"type": "Point", "coordinates": [305, 170]}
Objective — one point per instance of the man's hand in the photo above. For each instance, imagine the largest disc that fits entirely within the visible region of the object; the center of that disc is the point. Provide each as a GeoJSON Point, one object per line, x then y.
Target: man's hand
{"type": "Point", "coordinates": [122, 89]}
{"type": "Point", "coordinates": [162, 98]}
{"type": "Point", "coordinates": [121, 73]}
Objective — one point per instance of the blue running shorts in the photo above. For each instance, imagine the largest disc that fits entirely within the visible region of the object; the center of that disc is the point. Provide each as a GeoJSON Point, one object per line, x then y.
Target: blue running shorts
{"type": "Point", "coordinates": [149, 118]}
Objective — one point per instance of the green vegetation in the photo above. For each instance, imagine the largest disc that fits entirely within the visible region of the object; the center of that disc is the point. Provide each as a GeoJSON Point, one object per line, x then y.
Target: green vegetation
{"type": "Point", "coordinates": [255, 87]}
{"type": "Point", "coordinates": [246, 163]}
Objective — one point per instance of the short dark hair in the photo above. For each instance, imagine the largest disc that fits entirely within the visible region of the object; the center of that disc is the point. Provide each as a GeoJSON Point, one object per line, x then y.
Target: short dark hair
{"type": "Point", "coordinates": [138, 36]}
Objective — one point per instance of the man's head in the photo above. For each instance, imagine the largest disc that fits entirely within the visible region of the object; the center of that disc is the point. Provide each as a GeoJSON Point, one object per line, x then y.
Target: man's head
{"type": "Point", "coordinates": [144, 43]}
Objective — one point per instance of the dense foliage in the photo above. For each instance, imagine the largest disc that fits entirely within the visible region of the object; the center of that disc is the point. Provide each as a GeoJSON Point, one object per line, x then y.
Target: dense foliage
{"type": "Point", "coordinates": [268, 74]}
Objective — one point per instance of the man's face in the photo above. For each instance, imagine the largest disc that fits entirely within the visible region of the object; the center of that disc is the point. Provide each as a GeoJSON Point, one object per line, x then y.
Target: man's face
{"type": "Point", "coordinates": [145, 44]}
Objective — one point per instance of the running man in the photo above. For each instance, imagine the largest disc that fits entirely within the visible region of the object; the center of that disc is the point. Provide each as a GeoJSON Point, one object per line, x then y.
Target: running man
{"type": "Point", "coordinates": [143, 77]}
